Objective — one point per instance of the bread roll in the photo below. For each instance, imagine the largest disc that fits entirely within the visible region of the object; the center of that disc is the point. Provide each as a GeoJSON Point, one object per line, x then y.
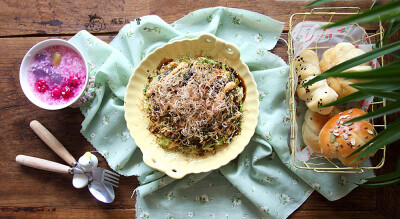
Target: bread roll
{"type": "Point", "coordinates": [336, 55]}
{"type": "Point", "coordinates": [339, 141]}
{"type": "Point", "coordinates": [342, 86]}
{"type": "Point", "coordinates": [306, 66]}
{"type": "Point", "coordinates": [313, 123]}
{"type": "Point", "coordinates": [307, 56]}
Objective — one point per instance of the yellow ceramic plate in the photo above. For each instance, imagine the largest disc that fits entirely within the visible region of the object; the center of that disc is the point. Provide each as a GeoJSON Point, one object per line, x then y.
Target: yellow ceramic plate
{"type": "Point", "coordinates": [175, 164]}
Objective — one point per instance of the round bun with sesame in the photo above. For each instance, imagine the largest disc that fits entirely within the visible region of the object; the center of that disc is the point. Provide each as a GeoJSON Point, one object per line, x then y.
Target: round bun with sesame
{"type": "Point", "coordinates": [306, 66]}
{"type": "Point", "coordinates": [338, 140]}
{"type": "Point", "coordinates": [313, 123]}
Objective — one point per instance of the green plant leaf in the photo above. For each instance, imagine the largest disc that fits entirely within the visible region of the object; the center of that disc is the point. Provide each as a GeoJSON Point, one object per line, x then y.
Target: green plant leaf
{"type": "Point", "coordinates": [387, 32]}
{"type": "Point", "coordinates": [382, 135]}
{"type": "Point", "coordinates": [378, 144]}
{"type": "Point", "coordinates": [377, 185]}
{"type": "Point", "coordinates": [381, 84]}
{"type": "Point", "coordinates": [379, 139]}
{"type": "Point", "coordinates": [391, 71]}
{"type": "Point", "coordinates": [395, 54]}
{"type": "Point", "coordinates": [388, 176]}
{"type": "Point", "coordinates": [349, 98]}
{"type": "Point", "coordinates": [385, 177]}
{"type": "Point", "coordinates": [390, 108]}
{"type": "Point", "coordinates": [383, 12]}
{"type": "Point", "coordinates": [394, 62]}
{"type": "Point", "coordinates": [317, 2]}
{"type": "Point", "coordinates": [390, 95]}
{"type": "Point", "coordinates": [373, 3]}
{"type": "Point", "coordinates": [393, 27]}
{"type": "Point", "coordinates": [357, 61]}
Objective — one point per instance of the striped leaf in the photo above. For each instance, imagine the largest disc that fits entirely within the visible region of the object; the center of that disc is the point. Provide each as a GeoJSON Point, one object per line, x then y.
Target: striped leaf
{"type": "Point", "coordinates": [381, 84]}
{"type": "Point", "coordinates": [383, 13]}
{"type": "Point", "coordinates": [379, 139]}
{"type": "Point", "coordinates": [390, 95]}
{"type": "Point", "coordinates": [349, 98]}
{"type": "Point", "coordinates": [388, 109]}
{"type": "Point", "coordinates": [356, 61]}
{"type": "Point", "coordinates": [389, 176]}
{"type": "Point", "coordinates": [391, 70]}
{"type": "Point", "coordinates": [378, 185]}
{"type": "Point", "coordinates": [317, 2]}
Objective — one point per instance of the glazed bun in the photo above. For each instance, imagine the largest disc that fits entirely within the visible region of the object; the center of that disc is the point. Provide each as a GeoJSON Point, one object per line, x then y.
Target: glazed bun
{"type": "Point", "coordinates": [336, 55]}
{"type": "Point", "coordinates": [339, 141]}
{"type": "Point", "coordinates": [313, 123]}
{"type": "Point", "coordinates": [306, 66]}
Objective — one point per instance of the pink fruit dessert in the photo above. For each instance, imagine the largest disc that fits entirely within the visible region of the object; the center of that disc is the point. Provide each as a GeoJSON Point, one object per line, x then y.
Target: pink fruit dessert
{"type": "Point", "coordinates": [57, 75]}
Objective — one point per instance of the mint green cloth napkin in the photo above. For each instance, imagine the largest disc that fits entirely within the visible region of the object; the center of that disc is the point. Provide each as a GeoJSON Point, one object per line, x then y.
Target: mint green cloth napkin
{"type": "Point", "coordinates": [262, 181]}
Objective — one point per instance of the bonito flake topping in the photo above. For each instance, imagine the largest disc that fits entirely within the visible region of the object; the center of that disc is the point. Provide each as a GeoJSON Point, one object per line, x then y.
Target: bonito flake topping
{"type": "Point", "coordinates": [194, 105]}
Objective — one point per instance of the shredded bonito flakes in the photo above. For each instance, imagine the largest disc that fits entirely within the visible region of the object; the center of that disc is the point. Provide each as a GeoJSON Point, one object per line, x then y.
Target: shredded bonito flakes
{"type": "Point", "coordinates": [194, 105]}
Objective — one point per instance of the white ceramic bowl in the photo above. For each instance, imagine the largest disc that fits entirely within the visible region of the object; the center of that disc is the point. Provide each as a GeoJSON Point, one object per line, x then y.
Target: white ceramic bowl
{"type": "Point", "coordinates": [24, 69]}
{"type": "Point", "coordinates": [173, 163]}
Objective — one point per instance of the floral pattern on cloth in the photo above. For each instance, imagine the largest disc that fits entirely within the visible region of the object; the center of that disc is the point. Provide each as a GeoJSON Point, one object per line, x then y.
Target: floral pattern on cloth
{"type": "Point", "coordinates": [262, 181]}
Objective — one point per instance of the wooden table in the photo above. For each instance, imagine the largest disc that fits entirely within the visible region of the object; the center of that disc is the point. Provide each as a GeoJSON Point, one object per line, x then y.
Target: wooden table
{"type": "Point", "coordinates": [32, 193]}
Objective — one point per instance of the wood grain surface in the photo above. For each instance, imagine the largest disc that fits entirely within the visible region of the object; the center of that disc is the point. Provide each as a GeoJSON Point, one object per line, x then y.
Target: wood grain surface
{"type": "Point", "coordinates": [31, 193]}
